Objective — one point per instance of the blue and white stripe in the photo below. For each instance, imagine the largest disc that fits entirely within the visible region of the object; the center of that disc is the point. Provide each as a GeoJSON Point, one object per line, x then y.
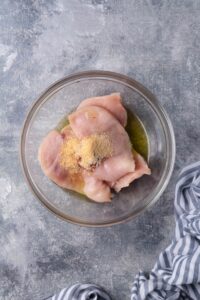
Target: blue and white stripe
{"type": "Point", "coordinates": [176, 275]}
{"type": "Point", "coordinates": [82, 292]}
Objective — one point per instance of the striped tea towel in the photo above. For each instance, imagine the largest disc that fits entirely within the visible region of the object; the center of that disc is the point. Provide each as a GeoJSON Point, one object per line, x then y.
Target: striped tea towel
{"type": "Point", "coordinates": [82, 292]}
{"type": "Point", "coordinates": [176, 275]}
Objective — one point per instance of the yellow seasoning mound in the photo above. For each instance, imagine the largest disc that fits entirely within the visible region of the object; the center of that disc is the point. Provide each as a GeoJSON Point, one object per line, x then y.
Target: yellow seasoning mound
{"type": "Point", "coordinates": [93, 149]}
{"type": "Point", "coordinates": [86, 153]}
{"type": "Point", "coordinates": [68, 158]}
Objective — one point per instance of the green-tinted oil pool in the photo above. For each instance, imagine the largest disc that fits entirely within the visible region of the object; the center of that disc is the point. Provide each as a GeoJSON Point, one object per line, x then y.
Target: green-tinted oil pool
{"type": "Point", "coordinates": [137, 134]}
{"type": "Point", "coordinates": [63, 122]}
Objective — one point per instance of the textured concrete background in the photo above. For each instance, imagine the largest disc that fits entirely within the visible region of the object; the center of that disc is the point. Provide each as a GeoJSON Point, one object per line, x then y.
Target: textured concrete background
{"type": "Point", "coordinates": [156, 42]}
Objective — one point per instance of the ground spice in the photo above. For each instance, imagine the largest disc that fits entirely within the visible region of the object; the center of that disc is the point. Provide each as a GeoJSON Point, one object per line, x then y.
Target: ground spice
{"type": "Point", "coordinates": [86, 153]}
{"type": "Point", "coordinates": [93, 149]}
{"type": "Point", "coordinates": [68, 159]}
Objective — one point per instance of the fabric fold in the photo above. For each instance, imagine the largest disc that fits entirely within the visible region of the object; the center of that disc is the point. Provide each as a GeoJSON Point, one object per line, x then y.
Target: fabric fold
{"type": "Point", "coordinates": [81, 291]}
{"type": "Point", "coordinates": [176, 275]}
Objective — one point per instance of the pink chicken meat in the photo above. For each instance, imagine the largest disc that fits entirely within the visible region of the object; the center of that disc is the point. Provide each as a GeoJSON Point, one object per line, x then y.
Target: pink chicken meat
{"type": "Point", "coordinates": [94, 119]}
{"type": "Point", "coordinates": [112, 103]}
{"type": "Point", "coordinates": [95, 116]}
{"type": "Point", "coordinates": [48, 156]}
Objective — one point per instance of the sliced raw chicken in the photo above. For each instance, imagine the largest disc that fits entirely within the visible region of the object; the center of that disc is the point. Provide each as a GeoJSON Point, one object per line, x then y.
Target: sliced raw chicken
{"type": "Point", "coordinates": [96, 189]}
{"type": "Point", "coordinates": [93, 119]}
{"type": "Point", "coordinates": [111, 103]}
{"type": "Point", "coordinates": [49, 160]}
{"type": "Point", "coordinates": [70, 157]}
{"type": "Point", "coordinates": [81, 182]}
{"type": "Point", "coordinates": [141, 168]}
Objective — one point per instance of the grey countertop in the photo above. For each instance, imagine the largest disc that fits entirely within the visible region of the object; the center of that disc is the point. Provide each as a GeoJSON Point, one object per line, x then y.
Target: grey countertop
{"type": "Point", "coordinates": [157, 43]}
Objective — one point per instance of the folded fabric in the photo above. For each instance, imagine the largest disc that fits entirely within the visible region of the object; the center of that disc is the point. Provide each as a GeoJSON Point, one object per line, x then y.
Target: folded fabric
{"type": "Point", "coordinates": [176, 275]}
{"type": "Point", "coordinates": [82, 292]}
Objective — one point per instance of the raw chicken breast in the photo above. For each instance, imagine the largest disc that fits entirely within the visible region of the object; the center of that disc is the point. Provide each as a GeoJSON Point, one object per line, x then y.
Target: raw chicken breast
{"type": "Point", "coordinates": [81, 182]}
{"type": "Point", "coordinates": [141, 168]}
{"type": "Point", "coordinates": [48, 156]}
{"type": "Point", "coordinates": [112, 103]}
{"type": "Point", "coordinates": [93, 119]}
{"type": "Point", "coordinates": [96, 189]}
{"type": "Point", "coordinates": [98, 122]}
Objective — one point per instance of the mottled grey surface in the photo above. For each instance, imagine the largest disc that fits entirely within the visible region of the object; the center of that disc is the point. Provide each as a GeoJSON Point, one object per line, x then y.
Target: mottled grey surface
{"type": "Point", "coordinates": [156, 42]}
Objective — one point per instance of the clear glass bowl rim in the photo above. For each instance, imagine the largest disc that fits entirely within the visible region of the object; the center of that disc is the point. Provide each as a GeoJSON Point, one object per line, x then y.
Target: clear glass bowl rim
{"type": "Point", "coordinates": [149, 97]}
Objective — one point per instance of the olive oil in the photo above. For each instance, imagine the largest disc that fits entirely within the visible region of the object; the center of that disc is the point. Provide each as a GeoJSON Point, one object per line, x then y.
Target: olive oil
{"type": "Point", "coordinates": [62, 123]}
{"type": "Point", "coordinates": [137, 134]}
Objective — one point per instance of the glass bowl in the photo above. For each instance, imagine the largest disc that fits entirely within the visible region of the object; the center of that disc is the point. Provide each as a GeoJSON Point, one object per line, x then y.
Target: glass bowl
{"type": "Point", "coordinates": [63, 97]}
